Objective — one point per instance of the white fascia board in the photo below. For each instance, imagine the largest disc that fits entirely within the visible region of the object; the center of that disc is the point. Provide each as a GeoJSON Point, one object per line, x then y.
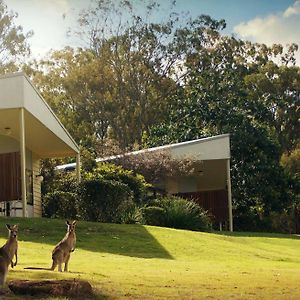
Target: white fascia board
{"type": "Point", "coordinates": [11, 91]}
{"type": "Point", "coordinates": [210, 148]}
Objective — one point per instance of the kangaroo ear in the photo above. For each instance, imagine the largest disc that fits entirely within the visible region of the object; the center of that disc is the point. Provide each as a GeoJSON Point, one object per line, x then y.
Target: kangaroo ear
{"type": "Point", "coordinates": [8, 226]}
{"type": "Point", "coordinates": [74, 222]}
{"type": "Point", "coordinates": [68, 223]}
{"type": "Point", "coordinates": [16, 226]}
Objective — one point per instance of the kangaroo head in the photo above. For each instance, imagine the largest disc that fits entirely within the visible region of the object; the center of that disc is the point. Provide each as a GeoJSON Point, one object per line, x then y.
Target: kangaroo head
{"type": "Point", "coordinates": [71, 226]}
{"type": "Point", "coordinates": [13, 230]}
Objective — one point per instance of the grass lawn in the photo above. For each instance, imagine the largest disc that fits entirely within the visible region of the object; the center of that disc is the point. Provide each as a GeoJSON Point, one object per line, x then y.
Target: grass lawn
{"type": "Point", "coordinates": [145, 262]}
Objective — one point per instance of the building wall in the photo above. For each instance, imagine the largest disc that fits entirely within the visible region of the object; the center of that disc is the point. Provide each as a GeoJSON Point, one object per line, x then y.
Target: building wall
{"type": "Point", "coordinates": [210, 176]}
{"type": "Point", "coordinates": [9, 145]}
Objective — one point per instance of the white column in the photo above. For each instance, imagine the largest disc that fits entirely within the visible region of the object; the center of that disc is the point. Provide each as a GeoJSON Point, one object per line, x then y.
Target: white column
{"type": "Point", "coordinates": [23, 161]}
{"type": "Point", "coordinates": [229, 195]}
{"type": "Point", "coordinates": [78, 167]}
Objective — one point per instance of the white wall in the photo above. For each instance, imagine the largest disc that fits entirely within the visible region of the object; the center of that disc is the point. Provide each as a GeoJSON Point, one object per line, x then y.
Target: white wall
{"type": "Point", "coordinates": [212, 177]}
{"type": "Point", "coordinates": [9, 145]}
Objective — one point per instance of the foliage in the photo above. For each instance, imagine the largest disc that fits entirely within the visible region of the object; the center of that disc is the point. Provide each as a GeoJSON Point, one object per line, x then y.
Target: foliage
{"type": "Point", "coordinates": [130, 213]}
{"type": "Point", "coordinates": [122, 82]}
{"type": "Point", "coordinates": [235, 87]}
{"type": "Point", "coordinates": [13, 42]}
{"type": "Point", "coordinates": [107, 193]}
{"type": "Point", "coordinates": [138, 83]}
{"type": "Point", "coordinates": [135, 182]}
{"type": "Point", "coordinates": [154, 165]}
{"type": "Point", "coordinates": [291, 162]}
{"type": "Point", "coordinates": [176, 212]}
{"type": "Point", "coordinates": [60, 204]}
{"type": "Point", "coordinates": [154, 215]}
{"type": "Point", "coordinates": [100, 199]}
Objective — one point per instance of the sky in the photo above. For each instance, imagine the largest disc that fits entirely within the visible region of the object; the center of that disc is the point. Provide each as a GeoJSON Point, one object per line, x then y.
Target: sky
{"type": "Point", "coordinates": [263, 21]}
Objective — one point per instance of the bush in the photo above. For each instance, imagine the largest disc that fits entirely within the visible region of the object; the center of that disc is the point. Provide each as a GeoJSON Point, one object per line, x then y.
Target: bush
{"type": "Point", "coordinates": [176, 212]}
{"type": "Point", "coordinates": [153, 215]}
{"type": "Point", "coordinates": [130, 213]}
{"type": "Point", "coordinates": [135, 182]}
{"type": "Point", "coordinates": [101, 199]}
{"type": "Point", "coordinates": [59, 204]}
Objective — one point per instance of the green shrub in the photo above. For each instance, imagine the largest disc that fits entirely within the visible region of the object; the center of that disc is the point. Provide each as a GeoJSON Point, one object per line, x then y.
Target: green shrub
{"type": "Point", "coordinates": [154, 215]}
{"type": "Point", "coordinates": [101, 199]}
{"type": "Point", "coordinates": [130, 213]}
{"type": "Point", "coordinates": [135, 182]}
{"type": "Point", "coordinates": [59, 204]}
{"type": "Point", "coordinates": [176, 212]}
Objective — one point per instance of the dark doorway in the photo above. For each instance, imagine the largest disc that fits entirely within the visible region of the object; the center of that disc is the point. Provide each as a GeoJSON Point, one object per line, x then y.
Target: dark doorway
{"type": "Point", "coordinates": [10, 176]}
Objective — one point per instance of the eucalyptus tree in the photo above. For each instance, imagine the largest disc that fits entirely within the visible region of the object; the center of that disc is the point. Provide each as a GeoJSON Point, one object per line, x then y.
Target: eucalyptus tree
{"type": "Point", "coordinates": [230, 89]}
{"type": "Point", "coordinates": [13, 42]}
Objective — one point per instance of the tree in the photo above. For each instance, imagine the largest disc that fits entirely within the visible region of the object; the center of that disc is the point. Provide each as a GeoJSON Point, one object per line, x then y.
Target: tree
{"type": "Point", "coordinates": [123, 82]}
{"type": "Point", "coordinates": [155, 165]}
{"type": "Point", "coordinates": [13, 42]}
{"type": "Point", "coordinates": [216, 99]}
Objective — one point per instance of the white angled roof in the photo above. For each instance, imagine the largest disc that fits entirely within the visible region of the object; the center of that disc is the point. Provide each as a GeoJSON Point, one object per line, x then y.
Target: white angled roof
{"type": "Point", "coordinates": [210, 148]}
{"type": "Point", "coordinates": [44, 133]}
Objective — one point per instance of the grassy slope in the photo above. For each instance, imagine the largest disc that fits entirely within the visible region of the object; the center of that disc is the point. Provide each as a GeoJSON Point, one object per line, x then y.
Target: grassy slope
{"type": "Point", "coordinates": [144, 262]}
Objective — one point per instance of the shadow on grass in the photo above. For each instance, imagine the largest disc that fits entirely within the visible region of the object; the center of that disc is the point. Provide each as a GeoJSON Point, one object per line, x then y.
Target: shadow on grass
{"type": "Point", "coordinates": [128, 240]}
{"type": "Point", "coordinates": [258, 234]}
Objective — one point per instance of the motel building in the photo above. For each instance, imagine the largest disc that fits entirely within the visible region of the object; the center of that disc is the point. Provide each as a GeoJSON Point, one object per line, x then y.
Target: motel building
{"type": "Point", "coordinates": [29, 132]}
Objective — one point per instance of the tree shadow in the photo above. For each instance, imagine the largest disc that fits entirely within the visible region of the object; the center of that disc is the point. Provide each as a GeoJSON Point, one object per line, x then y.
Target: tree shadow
{"type": "Point", "coordinates": [258, 234]}
{"type": "Point", "coordinates": [127, 240]}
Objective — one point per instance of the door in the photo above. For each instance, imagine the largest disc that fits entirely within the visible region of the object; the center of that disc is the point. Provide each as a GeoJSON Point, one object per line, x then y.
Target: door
{"type": "Point", "coordinates": [10, 177]}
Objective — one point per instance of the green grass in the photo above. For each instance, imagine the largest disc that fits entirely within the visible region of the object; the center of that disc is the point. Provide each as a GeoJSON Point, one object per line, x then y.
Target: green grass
{"type": "Point", "coordinates": [144, 262]}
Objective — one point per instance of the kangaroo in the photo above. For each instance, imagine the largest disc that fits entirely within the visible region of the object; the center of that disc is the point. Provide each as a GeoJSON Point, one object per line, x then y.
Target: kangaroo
{"type": "Point", "coordinates": [61, 252]}
{"type": "Point", "coordinates": [8, 251]}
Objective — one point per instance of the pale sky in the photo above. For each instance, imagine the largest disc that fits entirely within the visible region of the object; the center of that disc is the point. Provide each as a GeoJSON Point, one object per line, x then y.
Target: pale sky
{"type": "Point", "coordinates": [265, 21]}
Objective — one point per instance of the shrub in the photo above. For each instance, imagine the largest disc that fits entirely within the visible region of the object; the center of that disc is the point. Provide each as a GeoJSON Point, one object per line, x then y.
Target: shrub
{"type": "Point", "coordinates": [59, 204]}
{"type": "Point", "coordinates": [176, 212]}
{"type": "Point", "coordinates": [130, 213]}
{"type": "Point", "coordinates": [135, 182]}
{"type": "Point", "coordinates": [101, 199]}
{"type": "Point", "coordinates": [153, 215]}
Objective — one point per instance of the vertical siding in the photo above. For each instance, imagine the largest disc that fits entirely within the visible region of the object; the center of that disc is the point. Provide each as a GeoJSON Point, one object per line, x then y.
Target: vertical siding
{"type": "Point", "coordinates": [215, 202]}
{"type": "Point", "coordinates": [10, 184]}
{"type": "Point", "coordinates": [37, 203]}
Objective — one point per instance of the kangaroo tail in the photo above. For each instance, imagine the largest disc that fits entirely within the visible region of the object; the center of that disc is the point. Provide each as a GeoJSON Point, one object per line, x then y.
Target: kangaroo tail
{"type": "Point", "coordinates": [36, 268]}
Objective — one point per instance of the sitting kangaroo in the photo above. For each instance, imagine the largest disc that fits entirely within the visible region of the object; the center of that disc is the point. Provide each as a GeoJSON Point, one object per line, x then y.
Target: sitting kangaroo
{"type": "Point", "coordinates": [61, 252]}
{"type": "Point", "coordinates": [8, 251]}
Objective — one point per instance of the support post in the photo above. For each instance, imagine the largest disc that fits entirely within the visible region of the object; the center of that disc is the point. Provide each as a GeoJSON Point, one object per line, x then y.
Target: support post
{"type": "Point", "coordinates": [78, 175]}
{"type": "Point", "coordinates": [23, 161]}
{"type": "Point", "coordinates": [229, 195]}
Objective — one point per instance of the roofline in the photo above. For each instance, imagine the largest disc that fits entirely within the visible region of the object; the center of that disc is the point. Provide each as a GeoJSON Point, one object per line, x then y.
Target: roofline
{"type": "Point", "coordinates": [52, 112]}
{"type": "Point", "coordinates": [14, 74]}
{"type": "Point", "coordinates": [18, 74]}
{"type": "Point", "coordinates": [170, 146]}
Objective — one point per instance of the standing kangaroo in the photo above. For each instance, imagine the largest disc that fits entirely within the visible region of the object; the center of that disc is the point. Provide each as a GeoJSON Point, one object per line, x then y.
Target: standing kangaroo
{"type": "Point", "coordinates": [8, 251]}
{"type": "Point", "coordinates": [62, 251]}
